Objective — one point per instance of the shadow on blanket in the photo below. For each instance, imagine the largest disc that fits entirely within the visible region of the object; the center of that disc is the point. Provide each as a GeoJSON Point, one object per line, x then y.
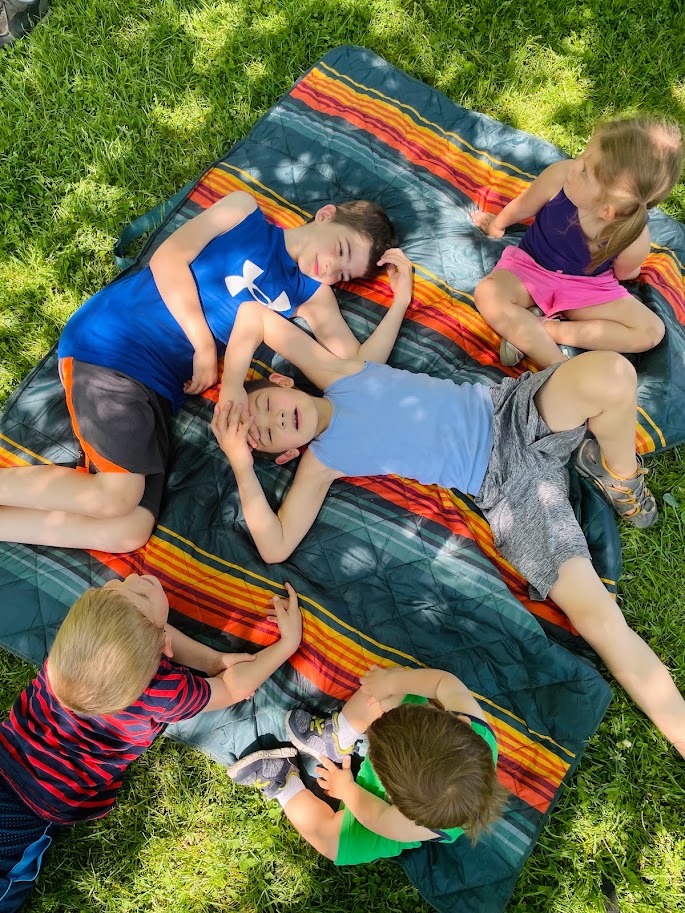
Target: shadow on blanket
{"type": "Point", "coordinates": [392, 571]}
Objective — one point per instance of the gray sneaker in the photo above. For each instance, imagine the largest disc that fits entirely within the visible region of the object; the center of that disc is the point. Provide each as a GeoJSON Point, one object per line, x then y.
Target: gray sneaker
{"type": "Point", "coordinates": [316, 735]}
{"type": "Point", "coordinates": [509, 355]}
{"type": "Point", "coordinates": [630, 498]}
{"type": "Point", "coordinates": [267, 770]}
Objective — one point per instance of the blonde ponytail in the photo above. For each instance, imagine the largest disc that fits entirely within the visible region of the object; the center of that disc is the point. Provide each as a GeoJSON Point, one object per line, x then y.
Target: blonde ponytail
{"type": "Point", "coordinates": [638, 163]}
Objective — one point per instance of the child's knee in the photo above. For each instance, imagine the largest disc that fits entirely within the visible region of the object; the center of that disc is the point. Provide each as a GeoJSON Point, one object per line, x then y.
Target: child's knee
{"type": "Point", "coordinates": [485, 296]}
{"type": "Point", "coordinates": [116, 495]}
{"type": "Point", "coordinates": [653, 332]}
{"type": "Point", "coordinates": [126, 534]}
{"type": "Point", "coordinates": [611, 373]}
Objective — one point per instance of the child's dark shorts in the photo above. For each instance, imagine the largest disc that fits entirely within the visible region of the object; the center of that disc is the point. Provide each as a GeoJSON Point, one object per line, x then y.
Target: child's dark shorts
{"type": "Point", "coordinates": [24, 839]}
{"type": "Point", "coordinates": [524, 494]}
{"type": "Point", "coordinates": [122, 425]}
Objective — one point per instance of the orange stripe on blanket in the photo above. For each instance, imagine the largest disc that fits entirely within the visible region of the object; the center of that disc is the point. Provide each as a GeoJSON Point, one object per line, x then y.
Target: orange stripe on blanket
{"type": "Point", "coordinates": [442, 506]}
{"type": "Point", "coordinates": [327, 658]}
{"type": "Point", "coordinates": [9, 460]}
{"type": "Point", "coordinates": [218, 183]}
{"type": "Point", "coordinates": [662, 271]}
{"type": "Point", "coordinates": [427, 146]}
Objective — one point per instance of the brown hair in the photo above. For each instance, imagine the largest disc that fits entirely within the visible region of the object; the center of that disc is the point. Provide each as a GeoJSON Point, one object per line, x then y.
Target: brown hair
{"type": "Point", "coordinates": [105, 654]}
{"type": "Point", "coordinates": [371, 222]}
{"type": "Point", "coordinates": [639, 161]}
{"type": "Point", "coordinates": [435, 769]}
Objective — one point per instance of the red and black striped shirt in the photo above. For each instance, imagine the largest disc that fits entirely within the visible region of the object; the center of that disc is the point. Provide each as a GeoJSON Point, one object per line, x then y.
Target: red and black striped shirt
{"type": "Point", "coordinates": [68, 768]}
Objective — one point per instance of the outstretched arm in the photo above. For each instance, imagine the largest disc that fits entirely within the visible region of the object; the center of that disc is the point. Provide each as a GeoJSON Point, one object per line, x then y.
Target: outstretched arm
{"type": "Point", "coordinates": [451, 692]}
{"type": "Point", "coordinates": [529, 203]}
{"type": "Point", "coordinates": [236, 676]}
{"type": "Point", "coordinates": [323, 315]}
{"type": "Point", "coordinates": [170, 266]}
{"type": "Point", "coordinates": [255, 324]}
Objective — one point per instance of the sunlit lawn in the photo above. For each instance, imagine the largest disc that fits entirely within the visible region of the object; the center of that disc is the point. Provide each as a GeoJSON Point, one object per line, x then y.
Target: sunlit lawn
{"type": "Point", "coordinates": [110, 107]}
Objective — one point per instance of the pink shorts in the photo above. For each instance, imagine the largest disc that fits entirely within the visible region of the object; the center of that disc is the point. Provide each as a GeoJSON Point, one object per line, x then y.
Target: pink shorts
{"type": "Point", "coordinates": [554, 292]}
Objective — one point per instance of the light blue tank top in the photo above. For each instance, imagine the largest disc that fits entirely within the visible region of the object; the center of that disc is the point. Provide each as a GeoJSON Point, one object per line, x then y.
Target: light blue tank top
{"type": "Point", "coordinates": [388, 421]}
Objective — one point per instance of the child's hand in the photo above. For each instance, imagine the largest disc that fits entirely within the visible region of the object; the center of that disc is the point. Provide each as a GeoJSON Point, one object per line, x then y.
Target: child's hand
{"type": "Point", "coordinates": [231, 426]}
{"type": "Point", "coordinates": [236, 395]}
{"type": "Point", "coordinates": [400, 272]}
{"type": "Point", "coordinates": [378, 684]}
{"type": "Point", "coordinates": [484, 221]}
{"type": "Point", "coordinates": [228, 660]}
{"type": "Point", "coordinates": [333, 779]}
{"type": "Point", "coordinates": [205, 371]}
{"type": "Point", "coordinates": [288, 618]}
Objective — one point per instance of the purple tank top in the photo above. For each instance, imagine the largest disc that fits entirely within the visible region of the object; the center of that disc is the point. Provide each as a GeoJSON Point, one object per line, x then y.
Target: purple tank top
{"type": "Point", "coordinates": [556, 241]}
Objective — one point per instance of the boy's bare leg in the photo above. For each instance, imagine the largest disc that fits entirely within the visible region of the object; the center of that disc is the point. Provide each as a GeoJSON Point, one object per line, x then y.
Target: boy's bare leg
{"type": "Point", "coordinates": [503, 300]}
{"type": "Point", "coordinates": [600, 388]}
{"type": "Point", "coordinates": [583, 598]}
{"type": "Point", "coordinates": [68, 530]}
{"type": "Point", "coordinates": [316, 821]}
{"type": "Point", "coordinates": [624, 325]}
{"type": "Point", "coordinates": [360, 713]}
{"type": "Point", "coordinates": [59, 488]}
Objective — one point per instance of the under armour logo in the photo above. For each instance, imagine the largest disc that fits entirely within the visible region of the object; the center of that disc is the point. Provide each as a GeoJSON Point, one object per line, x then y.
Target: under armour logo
{"type": "Point", "coordinates": [237, 284]}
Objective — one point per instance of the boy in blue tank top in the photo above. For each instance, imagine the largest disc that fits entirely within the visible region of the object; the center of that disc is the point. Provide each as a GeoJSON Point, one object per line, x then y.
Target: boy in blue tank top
{"type": "Point", "coordinates": [133, 351]}
{"type": "Point", "coordinates": [507, 445]}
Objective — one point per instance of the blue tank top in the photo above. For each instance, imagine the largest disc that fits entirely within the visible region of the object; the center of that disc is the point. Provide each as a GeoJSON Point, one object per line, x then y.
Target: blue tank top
{"type": "Point", "coordinates": [127, 327]}
{"type": "Point", "coordinates": [556, 241]}
{"type": "Point", "coordinates": [389, 421]}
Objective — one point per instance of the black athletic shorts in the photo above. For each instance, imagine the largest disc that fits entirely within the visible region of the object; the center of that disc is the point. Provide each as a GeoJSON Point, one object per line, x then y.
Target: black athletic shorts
{"type": "Point", "coordinates": [122, 425]}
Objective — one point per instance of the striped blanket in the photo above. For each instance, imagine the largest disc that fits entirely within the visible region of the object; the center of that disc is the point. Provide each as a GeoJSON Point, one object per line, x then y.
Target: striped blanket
{"type": "Point", "coordinates": [392, 571]}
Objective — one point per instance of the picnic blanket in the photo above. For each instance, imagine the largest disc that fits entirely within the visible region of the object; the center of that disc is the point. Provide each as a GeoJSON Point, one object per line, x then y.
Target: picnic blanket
{"type": "Point", "coordinates": [392, 571]}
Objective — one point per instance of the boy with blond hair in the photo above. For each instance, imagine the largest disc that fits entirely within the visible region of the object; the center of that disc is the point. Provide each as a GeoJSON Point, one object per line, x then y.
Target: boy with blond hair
{"type": "Point", "coordinates": [106, 691]}
{"type": "Point", "coordinates": [429, 775]}
{"type": "Point", "coordinates": [133, 351]}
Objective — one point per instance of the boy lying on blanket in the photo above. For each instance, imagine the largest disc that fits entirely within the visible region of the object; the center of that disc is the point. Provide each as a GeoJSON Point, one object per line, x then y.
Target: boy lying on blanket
{"type": "Point", "coordinates": [107, 690]}
{"type": "Point", "coordinates": [132, 352]}
{"type": "Point", "coordinates": [506, 445]}
{"type": "Point", "coordinates": [430, 773]}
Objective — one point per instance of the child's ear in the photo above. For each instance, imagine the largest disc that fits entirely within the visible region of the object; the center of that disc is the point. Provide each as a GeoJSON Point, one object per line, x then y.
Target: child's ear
{"type": "Point", "coordinates": [281, 380]}
{"type": "Point", "coordinates": [167, 649]}
{"type": "Point", "coordinates": [326, 212]}
{"type": "Point", "coordinates": [608, 212]}
{"type": "Point", "coordinates": [286, 457]}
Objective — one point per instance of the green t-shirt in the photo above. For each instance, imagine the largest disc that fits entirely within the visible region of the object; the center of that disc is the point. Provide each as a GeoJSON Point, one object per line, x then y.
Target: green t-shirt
{"type": "Point", "coordinates": [358, 844]}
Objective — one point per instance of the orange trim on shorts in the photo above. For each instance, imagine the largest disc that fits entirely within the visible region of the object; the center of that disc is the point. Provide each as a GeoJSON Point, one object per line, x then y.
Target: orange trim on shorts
{"type": "Point", "coordinates": [66, 369]}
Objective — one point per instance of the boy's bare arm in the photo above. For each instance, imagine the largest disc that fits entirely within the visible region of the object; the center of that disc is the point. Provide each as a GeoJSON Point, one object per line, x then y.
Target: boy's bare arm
{"type": "Point", "coordinates": [323, 315]}
{"type": "Point", "coordinates": [435, 684]}
{"type": "Point", "coordinates": [371, 812]}
{"type": "Point", "coordinates": [276, 535]}
{"type": "Point", "coordinates": [545, 186]}
{"type": "Point", "coordinates": [255, 324]}
{"type": "Point", "coordinates": [170, 266]}
{"type": "Point", "coordinates": [239, 678]}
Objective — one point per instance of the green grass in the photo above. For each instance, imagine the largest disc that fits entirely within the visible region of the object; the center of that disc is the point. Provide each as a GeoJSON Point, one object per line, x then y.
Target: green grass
{"type": "Point", "coordinates": [110, 107]}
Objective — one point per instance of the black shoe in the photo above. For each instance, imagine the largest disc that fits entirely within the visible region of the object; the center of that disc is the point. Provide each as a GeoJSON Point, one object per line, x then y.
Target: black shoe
{"type": "Point", "coordinates": [16, 19]}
